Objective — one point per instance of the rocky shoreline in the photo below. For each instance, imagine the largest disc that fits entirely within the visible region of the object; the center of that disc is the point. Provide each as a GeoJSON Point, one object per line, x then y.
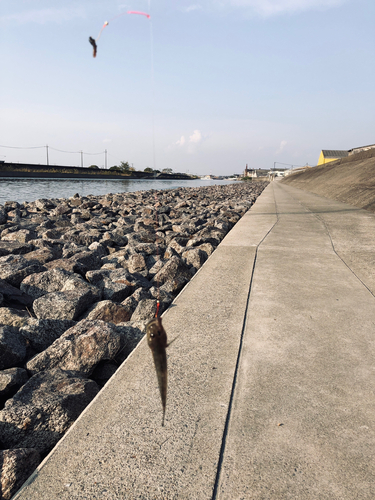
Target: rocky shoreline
{"type": "Point", "coordinates": [79, 279]}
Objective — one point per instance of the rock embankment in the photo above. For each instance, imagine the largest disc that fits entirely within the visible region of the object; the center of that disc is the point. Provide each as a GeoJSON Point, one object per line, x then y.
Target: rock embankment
{"type": "Point", "coordinates": [79, 278]}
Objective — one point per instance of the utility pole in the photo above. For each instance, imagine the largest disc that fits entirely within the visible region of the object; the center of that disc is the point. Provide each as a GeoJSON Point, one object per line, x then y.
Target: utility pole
{"type": "Point", "coordinates": [81, 159]}
{"type": "Point", "coordinates": [47, 154]}
{"type": "Point", "coordinates": [105, 159]}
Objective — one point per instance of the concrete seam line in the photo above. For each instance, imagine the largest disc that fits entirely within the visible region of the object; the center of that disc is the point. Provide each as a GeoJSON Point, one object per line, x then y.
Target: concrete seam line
{"type": "Point", "coordinates": [317, 216]}
{"type": "Point", "coordinates": [229, 412]}
{"type": "Point", "coordinates": [339, 256]}
{"type": "Point", "coordinates": [227, 420]}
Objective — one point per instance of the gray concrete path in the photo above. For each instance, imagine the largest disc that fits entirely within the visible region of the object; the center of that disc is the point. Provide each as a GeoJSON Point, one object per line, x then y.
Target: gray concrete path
{"type": "Point", "coordinates": [271, 377]}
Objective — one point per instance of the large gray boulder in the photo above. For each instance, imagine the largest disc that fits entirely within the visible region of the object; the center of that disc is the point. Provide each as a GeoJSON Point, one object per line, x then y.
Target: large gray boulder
{"type": "Point", "coordinates": [109, 311]}
{"type": "Point", "coordinates": [15, 467]}
{"type": "Point", "coordinates": [22, 236]}
{"type": "Point", "coordinates": [44, 204]}
{"type": "Point", "coordinates": [39, 284]}
{"type": "Point", "coordinates": [89, 260]}
{"type": "Point", "coordinates": [67, 304]}
{"type": "Point", "coordinates": [41, 333]}
{"type": "Point", "coordinates": [175, 272]}
{"type": "Point", "coordinates": [41, 412]}
{"type": "Point", "coordinates": [42, 255]}
{"type": "Point", "coordinates": [80, 348]}
{"type": "Point", "coordinates": [11, 380]}
{"type": "Point", "coordinates": [66, 264]}
{"type": "Point", "coordinates": [3, 215]}
{"type": "Point", "coordinates": [12, 347]}
{"type": "Point", "coordinates": [13, 317]}
{"type": "Point", "coordinates": [194, 257]}
{"type": "Point", "coordinates": [13, 294]}
{"type": "Point", "coordinates": [15, 268]}
{"type": "Point", "coordinates": [137, 264]}
{"type": "Point", "coordinates": [131, 333]}
{"type": "Point", "coordinates": [145, 310]}
{"type": "Point", "coordinates": [116, 285]}
{"type": "Point", "coordinates": [14, 247]}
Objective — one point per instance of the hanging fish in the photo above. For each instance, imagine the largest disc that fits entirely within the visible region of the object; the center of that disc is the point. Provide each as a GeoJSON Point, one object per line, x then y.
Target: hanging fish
{"type": "Point", "coordinates": [93, 43]}
{"type": "Point", "coordinates": [157, 341]}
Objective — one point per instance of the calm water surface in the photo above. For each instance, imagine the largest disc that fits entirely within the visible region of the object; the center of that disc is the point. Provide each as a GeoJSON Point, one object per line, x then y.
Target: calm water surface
{"type": "Point", "coordinates": [19, 189]}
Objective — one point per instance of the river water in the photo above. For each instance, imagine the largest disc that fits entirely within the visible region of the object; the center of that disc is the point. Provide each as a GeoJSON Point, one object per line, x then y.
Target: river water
{"type": "Point", "coordinates": [25, 189]}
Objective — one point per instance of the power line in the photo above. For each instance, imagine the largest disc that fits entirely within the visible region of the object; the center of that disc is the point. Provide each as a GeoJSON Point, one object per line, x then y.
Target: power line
{"type": "Point", "coordinates": [288, 164]}
{"type": "Point", "coordinates": [81, 153]}
{"type": "Point", "coordinates": [62, 151]}
{"type": "Point", "coordinates": [16, 147]}
{"type": "Point", "coordinates": [54, 149]}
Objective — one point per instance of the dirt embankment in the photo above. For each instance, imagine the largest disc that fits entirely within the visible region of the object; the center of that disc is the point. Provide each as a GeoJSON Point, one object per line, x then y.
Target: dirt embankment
{"type": "Point", "coordinates": [350, 180]}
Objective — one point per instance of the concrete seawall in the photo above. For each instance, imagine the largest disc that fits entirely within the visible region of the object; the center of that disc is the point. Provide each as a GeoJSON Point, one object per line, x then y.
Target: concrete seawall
{"type": "Point", "coordinates": [349, 180]}
{"type": "Point", "coordinates": [270, 377]}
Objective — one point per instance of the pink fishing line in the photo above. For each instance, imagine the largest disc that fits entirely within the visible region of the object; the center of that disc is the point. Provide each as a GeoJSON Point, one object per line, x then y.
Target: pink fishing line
{"type": "Point", "coordinates": [140, 13]}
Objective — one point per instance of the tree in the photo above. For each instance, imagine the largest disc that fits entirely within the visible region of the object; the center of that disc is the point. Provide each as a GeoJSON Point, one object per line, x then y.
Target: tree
{"type": "Point", "coordinates": [94, 166]}
{"type": "Point", "coordinates": [125, 167]}
{"type": "Point", "coordinates": [167, 171]}
{"type": "Point", "coordinates": [148, 169]}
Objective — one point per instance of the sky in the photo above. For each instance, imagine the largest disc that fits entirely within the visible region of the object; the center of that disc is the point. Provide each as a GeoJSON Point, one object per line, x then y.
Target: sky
{"type": "Point", "coordinates": [203, 86]}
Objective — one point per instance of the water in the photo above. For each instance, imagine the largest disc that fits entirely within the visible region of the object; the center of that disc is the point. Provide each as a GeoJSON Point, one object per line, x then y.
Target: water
{"type": "Point", "coordinates": [24, 189]}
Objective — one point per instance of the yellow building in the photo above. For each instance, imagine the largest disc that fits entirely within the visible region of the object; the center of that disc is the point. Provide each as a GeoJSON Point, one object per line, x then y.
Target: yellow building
{"type": "Point", "coordinates": [328, 155]}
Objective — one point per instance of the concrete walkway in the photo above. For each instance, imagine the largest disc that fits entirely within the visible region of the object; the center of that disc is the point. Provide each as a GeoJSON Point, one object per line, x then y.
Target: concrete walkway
{"type": "Point", "coordinates": [271, 378]}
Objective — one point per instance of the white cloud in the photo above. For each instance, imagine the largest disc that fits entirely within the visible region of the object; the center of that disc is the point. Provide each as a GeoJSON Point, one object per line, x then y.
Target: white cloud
{"type": "Point", "coordinates": [181, 141]}
{"type": "Point", "coordinates": [281, 147]}
{"type": "Point", "coordinates": [272, 7]}
{"type": "Point", "coordinates": [191, 8]}
{"type": "Point", "coordinates": [188, 145]}
{"type": "Point", "coordinates": [196, 137]}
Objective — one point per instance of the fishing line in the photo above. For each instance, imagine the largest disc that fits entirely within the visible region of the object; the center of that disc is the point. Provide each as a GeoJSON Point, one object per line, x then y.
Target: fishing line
{"type": "Point", "coordinates": [94, 42]}
{"type": "Point", "coordinates": [157, 255]}
{"type": "Point", "coordinates": [119, 15]}
{"type": "Point", "coordinates": [152, 88]}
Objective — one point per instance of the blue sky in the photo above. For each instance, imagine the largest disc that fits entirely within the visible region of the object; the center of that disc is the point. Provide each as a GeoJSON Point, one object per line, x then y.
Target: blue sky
{"type": "Point", "coordinates": [234, 82]}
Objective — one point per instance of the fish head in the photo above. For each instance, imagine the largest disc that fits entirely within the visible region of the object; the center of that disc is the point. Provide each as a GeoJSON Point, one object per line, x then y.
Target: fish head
{"type": "Point", "coordinates": [156, 336]}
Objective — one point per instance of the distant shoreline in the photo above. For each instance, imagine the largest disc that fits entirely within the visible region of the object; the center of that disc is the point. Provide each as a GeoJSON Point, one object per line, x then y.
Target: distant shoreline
{"type": "Point", "coordinates": [30, 171]}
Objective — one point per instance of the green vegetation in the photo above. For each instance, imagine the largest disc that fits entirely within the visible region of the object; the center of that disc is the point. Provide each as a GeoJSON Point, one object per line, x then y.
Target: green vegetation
{"type": "Point", "coordinates": [123, 168]}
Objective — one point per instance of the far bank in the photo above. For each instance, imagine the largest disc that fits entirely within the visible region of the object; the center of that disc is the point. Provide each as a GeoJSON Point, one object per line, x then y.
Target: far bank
{"type": "Point", "coordinates": [29, 170]}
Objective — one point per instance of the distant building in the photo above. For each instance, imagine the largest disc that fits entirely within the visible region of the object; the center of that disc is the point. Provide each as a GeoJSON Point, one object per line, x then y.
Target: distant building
{"type": "Point", "coordinates": [360, 149]}
{"type": "Point", "coordinates": [249, 172]}
{"type": "Point", "coordinates": [328, 155]}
